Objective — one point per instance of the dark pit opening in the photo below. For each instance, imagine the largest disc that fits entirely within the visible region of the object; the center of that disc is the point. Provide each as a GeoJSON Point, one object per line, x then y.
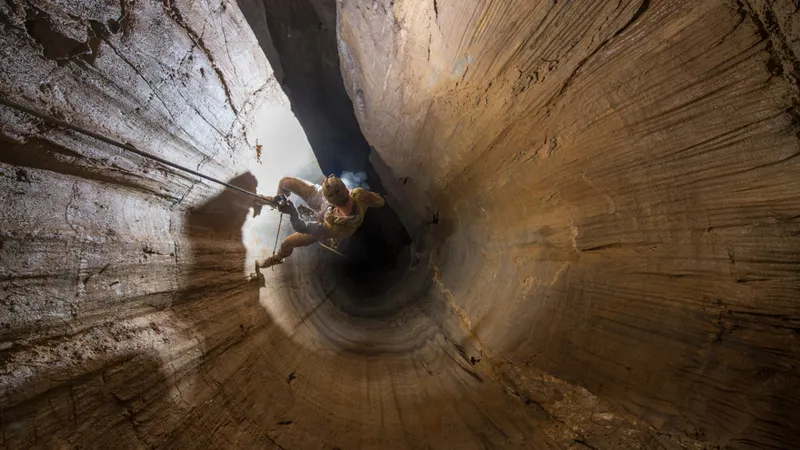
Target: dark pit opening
{"type": "Point", "coordinates": [377, 254]}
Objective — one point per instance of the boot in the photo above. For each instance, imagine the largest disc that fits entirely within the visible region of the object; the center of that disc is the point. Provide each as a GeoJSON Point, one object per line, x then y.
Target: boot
{"type": "Point", "coordinates": [263, 264]}
{"type": "Point", "coordinates": [269, 262]}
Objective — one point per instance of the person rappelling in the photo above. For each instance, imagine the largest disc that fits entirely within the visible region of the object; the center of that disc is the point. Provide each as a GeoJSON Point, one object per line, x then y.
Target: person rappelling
{"type": "Point", "coordinates": [336, 213]}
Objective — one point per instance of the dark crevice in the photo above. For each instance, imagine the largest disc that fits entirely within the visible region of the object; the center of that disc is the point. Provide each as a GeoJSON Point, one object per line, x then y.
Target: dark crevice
{"type": "Point", "coordinates": [313, 82]}
{"type": "Point", "coordinates": [377, 255]}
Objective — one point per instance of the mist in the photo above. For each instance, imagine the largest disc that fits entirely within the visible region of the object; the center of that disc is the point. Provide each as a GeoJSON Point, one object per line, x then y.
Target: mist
{"type": "Point", "coordinates": [354, 180]}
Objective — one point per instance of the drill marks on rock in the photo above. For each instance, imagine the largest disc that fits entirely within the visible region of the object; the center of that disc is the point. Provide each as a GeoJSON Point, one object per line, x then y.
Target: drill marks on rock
{"type": "Point", "coordinates": [175, 14]}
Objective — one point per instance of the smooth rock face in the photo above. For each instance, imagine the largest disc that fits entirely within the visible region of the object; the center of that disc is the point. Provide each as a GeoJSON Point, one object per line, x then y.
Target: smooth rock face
{"type": "Point", "coordinates": [602, 200]}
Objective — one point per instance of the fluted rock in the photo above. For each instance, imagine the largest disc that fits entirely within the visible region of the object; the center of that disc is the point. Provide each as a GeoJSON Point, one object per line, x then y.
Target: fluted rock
{"type": "Point", "coordinates": [591, 238]}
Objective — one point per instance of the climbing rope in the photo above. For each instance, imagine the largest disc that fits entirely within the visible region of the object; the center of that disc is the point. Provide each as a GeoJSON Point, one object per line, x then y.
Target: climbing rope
{"type": "Point", "coordinates": [277, 234]}
{"type": "Point", "coordinates": [128, 147]}
{"type": "Point", "coordinates": [331, 249]}
{"type": "Point", "coordinates": [60, 123]}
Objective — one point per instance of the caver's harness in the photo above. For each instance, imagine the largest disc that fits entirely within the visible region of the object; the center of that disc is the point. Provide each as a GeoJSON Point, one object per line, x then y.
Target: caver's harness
{"type": "Point", "coordinates": [274, 202]}
{"type": "Point", "coordinates": [307, 214]}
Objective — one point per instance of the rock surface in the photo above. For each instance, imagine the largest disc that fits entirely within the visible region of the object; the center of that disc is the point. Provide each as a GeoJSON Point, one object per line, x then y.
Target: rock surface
{"type": "Point", "coordinates": [619, 177]}
{"type": "Point", "coordinates": [602, 197]}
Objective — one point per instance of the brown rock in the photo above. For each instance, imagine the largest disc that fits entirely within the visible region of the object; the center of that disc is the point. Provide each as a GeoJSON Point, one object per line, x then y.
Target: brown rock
{"type": "Point", "coordinates": [591, 241]}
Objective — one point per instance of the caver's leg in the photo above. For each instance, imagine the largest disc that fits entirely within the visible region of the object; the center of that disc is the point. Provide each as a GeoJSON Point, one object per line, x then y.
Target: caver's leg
{"type": "Point", "coordinates": [287, 247]}
{"type": "Point", "coordinates": [309, 192]}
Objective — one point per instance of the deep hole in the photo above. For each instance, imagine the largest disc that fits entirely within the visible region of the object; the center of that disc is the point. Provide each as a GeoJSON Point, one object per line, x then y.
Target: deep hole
{"type": "Point", "coordinates": [377, 256]}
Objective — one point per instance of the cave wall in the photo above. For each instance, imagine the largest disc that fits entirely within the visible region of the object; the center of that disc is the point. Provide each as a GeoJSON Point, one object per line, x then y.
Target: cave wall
{"type": "Point", "coordinates": [617, 192]}
{"type": "Point", "coordinates": [120, 278]}
{"type": "Point", "coordinates": [603, 200]}
{"type": "Point", "coordinates": [127, 318]}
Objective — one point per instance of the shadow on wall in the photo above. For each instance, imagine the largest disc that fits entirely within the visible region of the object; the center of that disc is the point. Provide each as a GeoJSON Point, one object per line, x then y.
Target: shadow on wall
{"type": "Point", "coordinates": [215, 289]}
{"type": "Point", "coordinates": [154, 395]}
{"type": "Point", "coordinates": [101, 381]}
{"type": "Point", "coordinates": [221, 306]}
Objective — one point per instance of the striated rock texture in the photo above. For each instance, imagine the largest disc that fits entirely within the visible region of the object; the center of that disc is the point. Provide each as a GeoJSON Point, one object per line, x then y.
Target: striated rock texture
{"type": "Point", "coordinates": [602, 201]}
{"type": "Point", "coordinates": [617, 188]}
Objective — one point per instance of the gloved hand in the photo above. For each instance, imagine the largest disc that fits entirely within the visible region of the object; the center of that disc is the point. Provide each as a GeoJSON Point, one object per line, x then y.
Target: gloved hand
{"type": "Point", "coordinates": [287, 207]}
